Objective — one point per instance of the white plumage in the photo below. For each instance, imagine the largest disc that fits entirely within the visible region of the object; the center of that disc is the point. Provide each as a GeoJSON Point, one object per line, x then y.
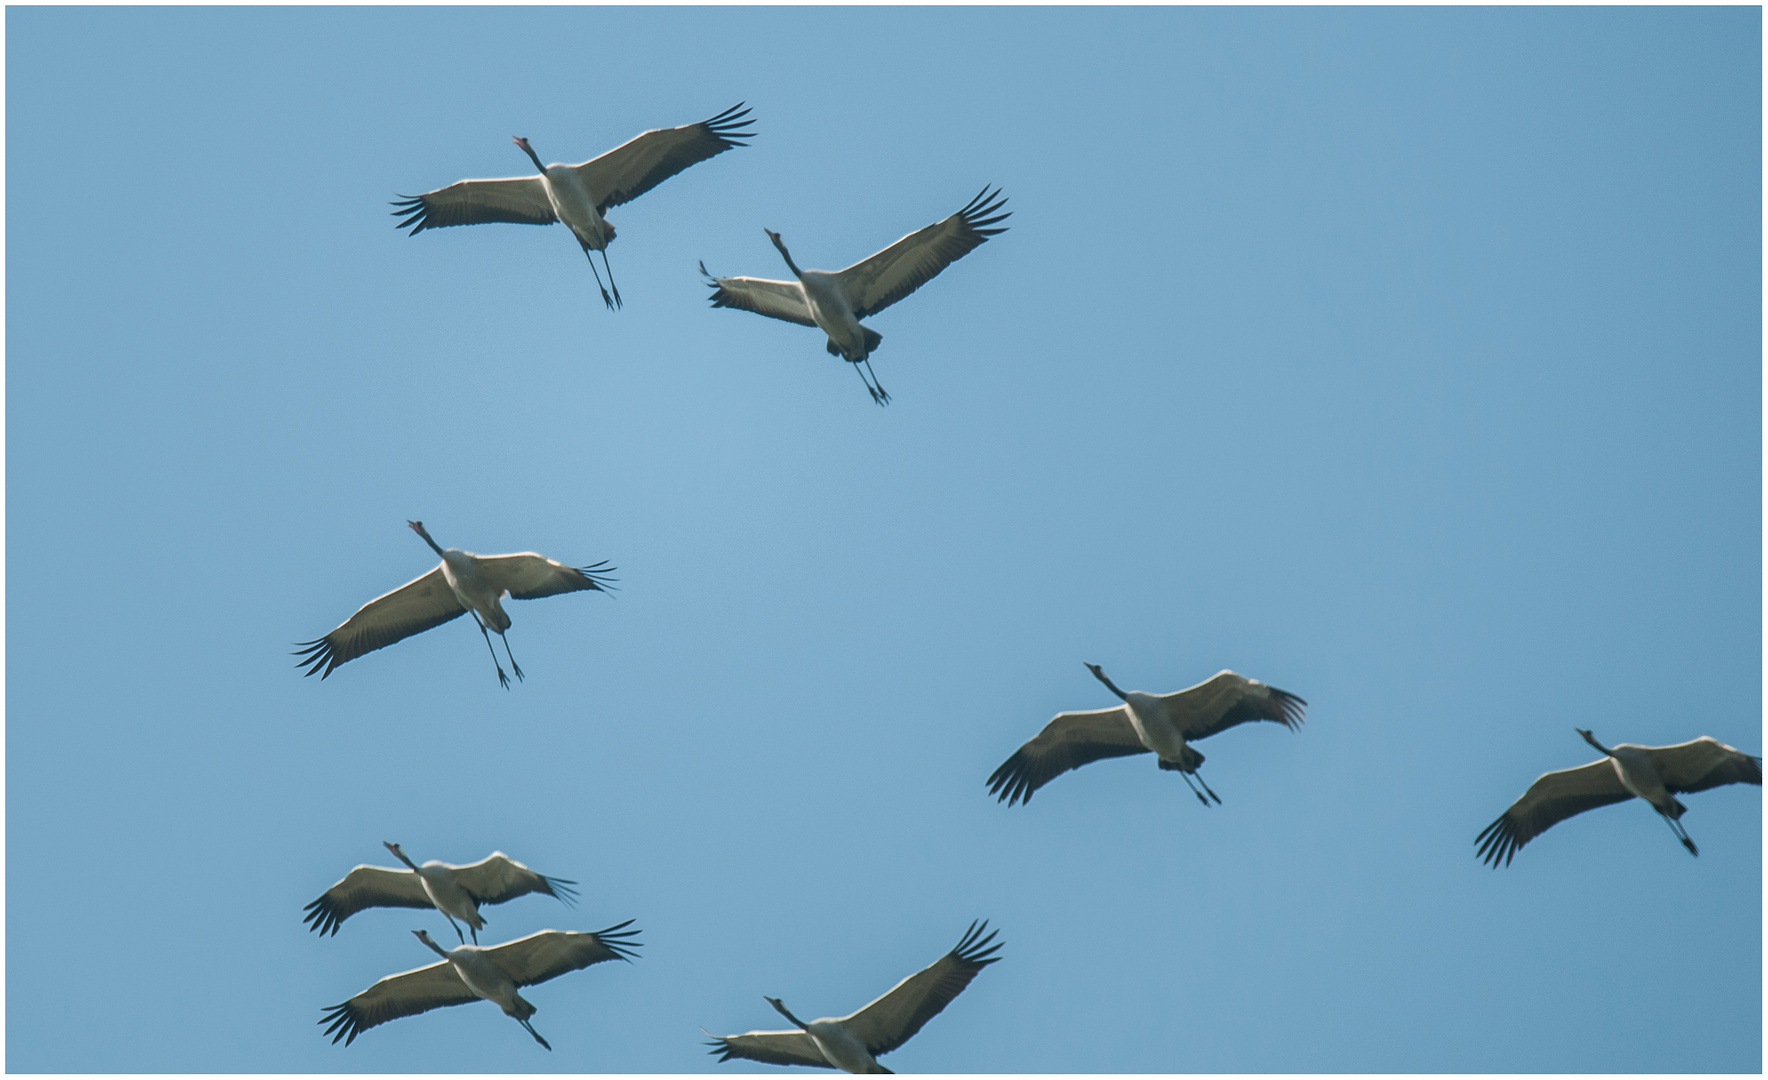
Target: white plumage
{"type": "Point", "coordinates": [455, 891]}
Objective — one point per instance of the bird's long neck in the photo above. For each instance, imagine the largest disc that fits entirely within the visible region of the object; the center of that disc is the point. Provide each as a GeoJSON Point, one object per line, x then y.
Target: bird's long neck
{"type": "Point", "coordinates": [435, 948]}
{"type": "Point", "coordinates": [781, 1006]}
{"type": "Point", "coordinates": [1099, 673]}
{"type": "Point", "coordinates": [787, 255]}
{"type": "Point", "coordinates": [399, 853]}
{"type": "Point", "coordinates": [1591, 739]}
{"type": "Point", "coordinates": [532, 156]}
{"type": "Point", "coordinates": [418, 527]}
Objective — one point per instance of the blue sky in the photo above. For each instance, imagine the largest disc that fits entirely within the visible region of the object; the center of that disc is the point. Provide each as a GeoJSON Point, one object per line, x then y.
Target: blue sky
{"type": "Point", "coordinates": [1409, 360]}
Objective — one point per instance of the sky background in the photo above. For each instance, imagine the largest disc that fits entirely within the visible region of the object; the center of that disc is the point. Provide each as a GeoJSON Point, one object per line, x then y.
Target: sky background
{"type": "Point", "coordinates": [1408, 360]}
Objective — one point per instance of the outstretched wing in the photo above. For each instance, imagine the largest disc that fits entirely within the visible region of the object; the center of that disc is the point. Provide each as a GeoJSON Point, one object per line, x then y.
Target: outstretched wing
{"type": "Point", "coordinates": [1067, 742]}
{"type": "Point", "coordinates": [364, 887]}
{"type": "Point", "coordinates": [527, 576]}
{"type": "Point", "coordinates": [407, 994]}
{"type": "Point", "coordinates": [497, 878]}
{"type": "Point", "coordinates": [1704, 763]}
{"type": "Point", "coordinates": [775, 299]}
{"type": "Point", "coordinates": [772, 1047]}
{"type": "Point", "coordinates": [514, 200]}
{"type": "Point", "coordinates": [875, 283]}
{"type": "Point", "coordinates": [891, 1020]}
{"type": "Point", "coordinates": [1549, 801]}
{"type": "Point", "coordinates": [640, 164]}
{"type": "Point", "coordinates": [551, 953]}
{"type": "Point", "coordinates": [410, 609]}
{"type": "Point", "coordinates": [1226, 699]}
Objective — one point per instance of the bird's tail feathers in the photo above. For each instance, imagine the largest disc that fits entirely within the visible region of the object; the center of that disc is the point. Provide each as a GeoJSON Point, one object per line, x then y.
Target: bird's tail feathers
{"type": "Point", "coordinates": [1188, 761]}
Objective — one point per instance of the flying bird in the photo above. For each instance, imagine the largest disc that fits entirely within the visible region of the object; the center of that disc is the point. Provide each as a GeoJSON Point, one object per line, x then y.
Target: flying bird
{"type": "Point", "coordinates": [455, 891]}
{"type": "Point", "coordinates": [578, 195]}
{"type": "Point", "coordinates": [464, 582]}
{"type": "Point", "coordinates": [1165, 724]}
{"type": "Point", "coordinates": [854, 1042]}
{"type": "Point", "coordinates": [469, 973]}
{"type": "Point", "coordinates": [836, 302]}
{"type": "Point", "coordinates": [1656, 774]}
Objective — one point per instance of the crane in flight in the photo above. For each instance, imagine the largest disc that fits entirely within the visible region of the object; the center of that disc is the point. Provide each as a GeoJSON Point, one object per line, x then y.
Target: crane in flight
{"type": "Point", "coordinates": [463, 582]}
{"type": "Point", "coordinates": [835, 302]}
{"type": "Point", "coordinates": [1656, 774]}
{"type": "Point", "coordinates": [455, 891]}
{"type": "Point", "coordinates": [578, 195]}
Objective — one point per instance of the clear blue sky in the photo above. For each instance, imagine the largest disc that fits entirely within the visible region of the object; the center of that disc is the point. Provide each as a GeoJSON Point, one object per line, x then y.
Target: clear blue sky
{"type": "Point", "coordinates": [1406, 359]}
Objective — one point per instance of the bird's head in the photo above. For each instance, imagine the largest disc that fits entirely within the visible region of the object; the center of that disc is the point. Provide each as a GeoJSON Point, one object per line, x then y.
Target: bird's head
{"type": "Point", "coordinates": [424, 936]}
{"type": "Point", "coordinates": [780, 1007]}
{"type": "Point", "coordinates": [1585, 732]}
{"type": "Point", "coordinates": [1098, 672]}
{"type": "Point", "coordinates": [417, 527]}
{"type": "Point", "coordinates": [398, 852]}
{"type": "Point", "coordinates": [522, 141]}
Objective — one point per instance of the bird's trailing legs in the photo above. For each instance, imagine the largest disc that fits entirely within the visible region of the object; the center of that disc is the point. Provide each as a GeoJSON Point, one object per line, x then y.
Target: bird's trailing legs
{"type": "Point", "coordinates": [457, 933]}
{"type": "Point", "coordinates": [619, 303]}
{"type": "Point", "coordinates": [879, 397]}
{"type": "Point", "coordinates": [513, 665]}
{"type": "Point", "coordinates": [1193, 788]}
{"type": "Point", "coordinates": [503, 680]}
{"type": "Point", "coordinates": [534, 1033]}
{"type": "Point", "coordinates": [606, 299]}
{"type": "Point", "coordinates": [1681, 834]}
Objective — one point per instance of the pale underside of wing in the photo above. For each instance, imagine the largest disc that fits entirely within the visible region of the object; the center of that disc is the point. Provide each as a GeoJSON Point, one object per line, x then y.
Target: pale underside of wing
{"type": "Point", "coordinates": [1068, 741]}
{"type": "Point", "coordinates": [1227, 699]}
{"type": "Point", "coordinates": [775, 299]}
{"type": "Point", "coordinates": [641, 163]}
{"type": "Point", "coordinates": [497, 878]}
{"type": "Point", "coordinates": [894, 1017]}
{"type": "Point", "coordinates": [548, 954]}
{"type": "Point", "coordinates": [410, 609]}
{"type": "Point", "coordinates": [364, 887]}
{"type": "Point", "coordinates": [1551, 799]}
{"type": "Point", "coordinates": [1704, 763]}
{"type": "Point", "coordinates": [512, 200]}
{"type": "Point", "coordinates": [530, 576]}
{"type": "Point", "coordinates": [873, 284]}
{"type": "Point", "coordinates": [771, 1047]}
{"type": "Point", "coordinates": [405, 994]}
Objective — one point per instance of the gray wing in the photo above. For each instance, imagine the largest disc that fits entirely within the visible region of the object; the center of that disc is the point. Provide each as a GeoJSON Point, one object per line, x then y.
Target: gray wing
{"type": "Point", "coordinates": [364, 887]}
{"type": "Point", "coordinates": [891, 1020]}
{"type": "Point", "coordinates": [514, 200]}
{"type": "Point", "coordinates": [406, 994]}
{"type": "Point", "coordinates": [1551, 799]}
{"type": "Point", "coordinates": [551, 953]}
{"type": "Point", "coordinates": [528, 576]}
{"type": "Point", "coordinates": [497, 878]}
{"type": "Point", "coordinates": [1067, 742]}
{"type": "Point", "coordinates": [775, 299]}
{"type": "Point", "coordinates": [410, 609]}
{"type": "Point", "coordinates": [875, 283]}
{"type": "Point", "coordinates": [772, 1047]}
{"type": "Point", "coordinates": [1704, 763]}
{"type": "Point", "coordinates": [640, 164]}
{"type": "Point", "coordinates": [1226, 699]}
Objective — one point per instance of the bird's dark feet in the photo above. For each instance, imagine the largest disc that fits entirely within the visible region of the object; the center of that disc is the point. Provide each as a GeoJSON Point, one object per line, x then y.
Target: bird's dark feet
{"type": "Point", "coordinates": [608, 300]}
{"type": "Point", "coordinates": [1689, 844]}
{"type": "Point", "coordinates": [502, 679]}
{"type": "Point", "coordinates": [618, 303]}
{"type": "Point", "coordinates": [518, 670]}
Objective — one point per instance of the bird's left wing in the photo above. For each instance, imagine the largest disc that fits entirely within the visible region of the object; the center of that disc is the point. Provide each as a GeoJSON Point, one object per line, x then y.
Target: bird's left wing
{"type": "Point", "coordinates": [512, 200]}
{"type": "Point", "coordinates": [1226, 699]}
{"type": "Point", "coordinates": [875, 283]}
{"type": "Point", "coordinates": [528, 576]}
{"type": "Point", "coordinates": [1068, 741]}
{"type": "Point", "coordinates": [891, 1020]}
{"type": "Point", "coordinates": [775, 299]}
{"type": "Point", "coordinates": [640, 164]}
{"type": "Point", "coordinates": [406, 994]}
{"type": "Point", "coordinates": [365, 887]}
{"type": "Point", "coordinates": [1704, 763]}
{"type": "Point", "coordinates": [551, 953]}
{"type": "Point", "coordinates": [1551, 799]}
{"type": "Point", "coordinates": [772, 1047]}
{"type": "Point", "coordinates": [497, 878]}
{"type": "Point", "coordinates": [412, 608]}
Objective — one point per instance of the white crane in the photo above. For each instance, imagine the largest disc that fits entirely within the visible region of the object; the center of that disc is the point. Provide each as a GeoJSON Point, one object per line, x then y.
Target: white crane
{"type": "Point", "coordinates": [1656, 774]}
{"type": "Point", "coordinates": [578, 195]}
{"type": "Point", "coordinates": [1162, 723]}
{"type": "Point", "coordinates": [854, 1042]}
{"type": "Point", "coordinates": [470, 973]}
{"type": "Point", "coordinates": [836, 302]}
{"type": "Point", "coordinates": [455, 891]}
{"type": "Point", "coordinates": [464, 582]}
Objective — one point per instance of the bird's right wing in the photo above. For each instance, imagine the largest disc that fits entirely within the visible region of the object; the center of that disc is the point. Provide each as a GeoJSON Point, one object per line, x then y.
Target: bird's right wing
{"type": "Point", "coordinates": [530, 576]}
{"type": "Point", "coordinates": [1704, 763]}
{"type": "Point", "coordinates": [1067, 742]}
{"type": "Point", "coordinates": [514, 200]}
{"type": "Point", "coordinates": [772, 1047]}
{"type": "Point", "coordinates": [497, 878]}
{"type": "Point", "coordinates": [873, 284]}
{"type": "Point", "coordinates": [891, 1020]}
{"type": "Point", "coordinates": [644, 161]}
{"type": "Point", "coordinates": [365, 887]}
{"type": "Point", "coordinates": [547, 954]}
{"type": "Point", "coordinates": [775, 299]}
{"type": "Point", "coordinates": [1551, 799]}
{"type": "Point", "coordinates": [410, 609]}
{"type": "Point", "coordinates": [406, 994]}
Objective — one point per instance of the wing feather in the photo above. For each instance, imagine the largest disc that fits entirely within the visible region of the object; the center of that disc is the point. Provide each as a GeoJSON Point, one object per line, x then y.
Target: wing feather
{"type": "Point", "coordinates": [547, 954]}
{"type": "Point", "coordinates": [1704, 763]}
{"type": "Point", "coordinates": [412, 608]}
{"type": "Point", "coordinates": [641, 163]}
{"type": "Point", "coordinates": [875, 283]}
{"type": "Point", "coordinates": [775, 299]}
{"type": "Point", "coordinates": [1068, 741]}
{"type": "Point", "coordinates": [771, 1047]}
{"type": "Point", "coordinates": [513, 200]}
{"type": "Point", "coordinates": [893, 1019]}
{"type": "Point", "coordinates": [405, 994]}
{"type": "Point", "coordinates": [364, 887]}
{"type": "Point", "coordinates": [528, 576]}
{"type": "Point", "coordinates": [1551, 799]}
{"type": "Point", "coordinates": [1226, 699]}
{"type": "Point", "coordinates": [497, 878]}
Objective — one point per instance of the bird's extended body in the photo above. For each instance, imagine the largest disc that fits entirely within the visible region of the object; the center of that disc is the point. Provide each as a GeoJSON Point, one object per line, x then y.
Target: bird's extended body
{"type": "Point", "coordinates": [1164, 724]}
{"type": "Point", "coordinates": [1656, 774]}
{"type": "Point", "coordinates": [456, 891]}
{"type": "Point", "coordinates": [853, 1043]}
